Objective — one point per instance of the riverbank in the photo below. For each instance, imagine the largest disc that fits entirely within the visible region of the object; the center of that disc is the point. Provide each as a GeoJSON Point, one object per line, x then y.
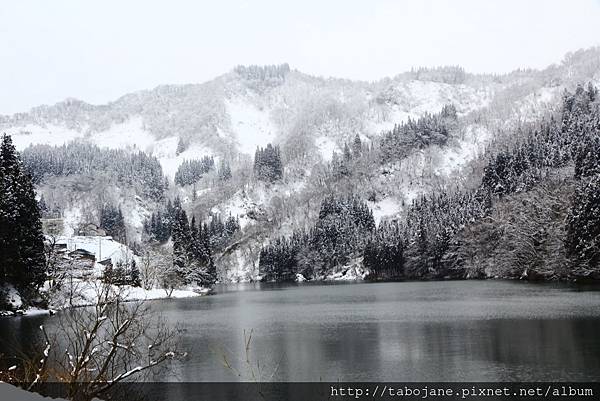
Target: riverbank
{"type": "Point", "coordinates": [85, 293]}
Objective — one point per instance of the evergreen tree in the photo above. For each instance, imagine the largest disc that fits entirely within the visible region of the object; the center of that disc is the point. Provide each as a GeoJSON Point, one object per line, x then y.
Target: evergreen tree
{"type": "Point", "coordinates": [22, 260]}
{"type": "Point", "coordinates": [180, 232]}
{"type": "Point", "coordinates": [224, 171]}
{"type": "Point", "coordinates": [384, 253]}
{"type": "Point", "coordinates": [191, 171]}
{"type": "Point", "coordinates": [43, 206]}
{"type": "Point", "coordinates": [181, 146]}
{"type": "Point", "coordinates": [134, 274]}
{"type": "Point", "coordinates": [587, 157]}
{"type": "Point", "coordinates": [430, 129]}
{"type": "Point", "coordinates": [158, 227]}
{"type": "Point", "coordinates": [347, 154]}
{"type": "Point", "coordinates": [192, 255]}
{"type": "Point", "coordinates": [267, 164]}
{"type": "Point", "coordinates": [344, 225]}
{"type": "Point", "coordinates": [112, 221]}
{"type": "Point", "coordinates": [221, 232]}
{"type": "Point", "coordinates": [357, 146]}
{"type": "Point", "coordinates": [583, 225]}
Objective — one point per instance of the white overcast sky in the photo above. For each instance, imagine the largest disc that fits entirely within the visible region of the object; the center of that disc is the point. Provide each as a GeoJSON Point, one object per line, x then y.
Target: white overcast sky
{"type": "Point", "coordinates": [98, 51]}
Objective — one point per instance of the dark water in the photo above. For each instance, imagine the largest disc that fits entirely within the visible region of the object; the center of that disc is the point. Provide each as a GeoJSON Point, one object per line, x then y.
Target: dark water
{"type": "Point", "coordinates": [434, 331]}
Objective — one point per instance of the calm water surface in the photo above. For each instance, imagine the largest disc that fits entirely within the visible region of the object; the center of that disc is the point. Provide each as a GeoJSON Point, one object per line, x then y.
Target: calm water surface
{"type": "Point", "coordinates": [418, 331]}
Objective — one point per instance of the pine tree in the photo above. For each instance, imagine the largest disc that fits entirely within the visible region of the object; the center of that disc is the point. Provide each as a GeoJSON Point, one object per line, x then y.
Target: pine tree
{"type": "Point", "coordinates": [181, 146]}
{"type": "Point", "coordinates": [191, 171]}
{"type": "Point", "coordinates": [180, 232]}
{"type": "Point", "coordinates": [384, 253]}
{"type": "Point", "coordinates": [267, 164]}
{"type": "Point", "coordinates": [583, 224]}
{"type": "Point", "coordinates": [134, 274]}
{"type": "Point", "coordinates": [112, 221]}
{"type": "Point", "coordinates": [22, 257]}
{"type": "Point", "coordinates": [342, 229]}
{"type": "Point", "coordinates": [224, 171]}
{"type": "Point", "coordinates": [192, 257]}
{"type": "Point", "coordinates": [357, 146]}
{"type": "Point", "coordinates": [43, 206]}
{"type": "Point", "coordinates": [347, 154]}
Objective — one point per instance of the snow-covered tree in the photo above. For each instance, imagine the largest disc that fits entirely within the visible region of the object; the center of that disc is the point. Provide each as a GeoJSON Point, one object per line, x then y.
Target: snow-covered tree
{"type": "Point", "coordinates": [191, 171]}
{"type": "Point", "coordinates": [22, 257]}
{"type": "Point", "coordinates": [267, 164]}
{"type": "Point", "coordinates": [90, 350]}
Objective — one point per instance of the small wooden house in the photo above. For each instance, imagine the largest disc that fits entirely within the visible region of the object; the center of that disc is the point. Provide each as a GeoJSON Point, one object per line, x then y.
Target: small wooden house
{"type": "Point", "coordinates": [106, 262]}
{"type": "Point", "coordinates": [82, 254]}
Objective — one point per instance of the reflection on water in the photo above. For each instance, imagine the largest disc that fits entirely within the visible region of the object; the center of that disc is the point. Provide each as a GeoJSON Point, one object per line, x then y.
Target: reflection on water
{"type": "Point", "coordinates": [439, 331]}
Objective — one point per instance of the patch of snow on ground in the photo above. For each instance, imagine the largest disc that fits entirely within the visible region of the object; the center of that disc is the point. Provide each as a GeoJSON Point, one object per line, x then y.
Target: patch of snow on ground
{"type": "Point", "coordinates": [425, 96]}
{"type": "Point", "coordinates": [31, 134]}
{"type": "Point", "coordinates": [326, 147]}
{"type": "Point", "coordinates": [385, 208]}
{"type": "Point", "coordinates": [395, 116]}
{"type": "Point", "coordinates": [36, 312]}
{"type": "Point", "coordinates": [294, 187]}
{"type": "Point", "coordinates": [166, 147]}
{"type": "Point", "coordinates": [85, 293]}
{"type": "Point", "coordinates": [165, 151]}
{"type": "Point", "coordinates": [428, 96]}
{"type": "Point", "coordinates": [253, 127]}
{"type": "Point", "coordinates": [140, 294]}
{"type": "Point", "coordinates": [453, 158]}
{"type": "Point", "coordinates": [415, 98]}
{"type": "Point", "coordinates": [238, 205]}
{"type": "Point", "coordinates": [136, 217]}
{"type": "Point", "coordinates": [536, 103]}
{"type": "Point", "coordinates": [128, 135]}
{"type": "Point", "coordinates": [411, 194]}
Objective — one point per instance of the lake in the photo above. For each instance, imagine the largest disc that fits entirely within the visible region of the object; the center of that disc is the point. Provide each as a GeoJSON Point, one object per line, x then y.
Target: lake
{"type": "Point", "coordinates": [410, 331]}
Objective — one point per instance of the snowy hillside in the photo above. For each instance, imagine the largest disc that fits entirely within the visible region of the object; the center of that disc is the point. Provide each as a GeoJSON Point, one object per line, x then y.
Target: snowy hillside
{"type": "Point", "coordinates": [231, 113]}
{"type": "Point", "coordinates": [311, 119]}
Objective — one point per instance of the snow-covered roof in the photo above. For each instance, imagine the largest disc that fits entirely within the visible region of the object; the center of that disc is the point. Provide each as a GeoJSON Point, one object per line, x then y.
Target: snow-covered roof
{"type": "Point", "coordinates": [102, 247]}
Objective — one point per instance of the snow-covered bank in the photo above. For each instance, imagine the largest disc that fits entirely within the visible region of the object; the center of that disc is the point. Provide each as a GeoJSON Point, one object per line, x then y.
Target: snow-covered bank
{"type": "Point", "coordinates": [85, 293]}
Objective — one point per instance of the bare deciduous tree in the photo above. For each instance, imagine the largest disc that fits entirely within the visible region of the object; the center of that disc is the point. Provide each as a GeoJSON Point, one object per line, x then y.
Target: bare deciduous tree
{"type": "Point", "coordinates": [92, 349]}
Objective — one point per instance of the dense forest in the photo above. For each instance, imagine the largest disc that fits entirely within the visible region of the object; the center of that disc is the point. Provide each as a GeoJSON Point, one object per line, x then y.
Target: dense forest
{"type": "Point", "coordinates": [267, 164]}
{"type": "Point", "coordinates": [430, 129]}
{"type": "Point", "coordinates": [191, 171]}
{"type": "Point", "coordinates": [535, 214]}
{"type": "Point", "coordinates": [134, 169]}
{"type": "Point", "coordinates": [219, 231]}
{"type": "Point", "coordinates": [340, 232]}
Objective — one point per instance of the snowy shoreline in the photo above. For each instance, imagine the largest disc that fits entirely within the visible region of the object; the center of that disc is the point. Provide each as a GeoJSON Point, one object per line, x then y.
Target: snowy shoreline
{"type": "Point", "coordinates": [130, 294]}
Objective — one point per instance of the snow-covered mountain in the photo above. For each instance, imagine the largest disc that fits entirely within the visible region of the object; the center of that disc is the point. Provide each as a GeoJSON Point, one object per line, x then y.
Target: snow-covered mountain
{"type": "Point", "coordinates": [238, 112]}
{"type": "Point", "coordinates": [241, 110]}
{"type": "Point", "coordinates": [233, 114]}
